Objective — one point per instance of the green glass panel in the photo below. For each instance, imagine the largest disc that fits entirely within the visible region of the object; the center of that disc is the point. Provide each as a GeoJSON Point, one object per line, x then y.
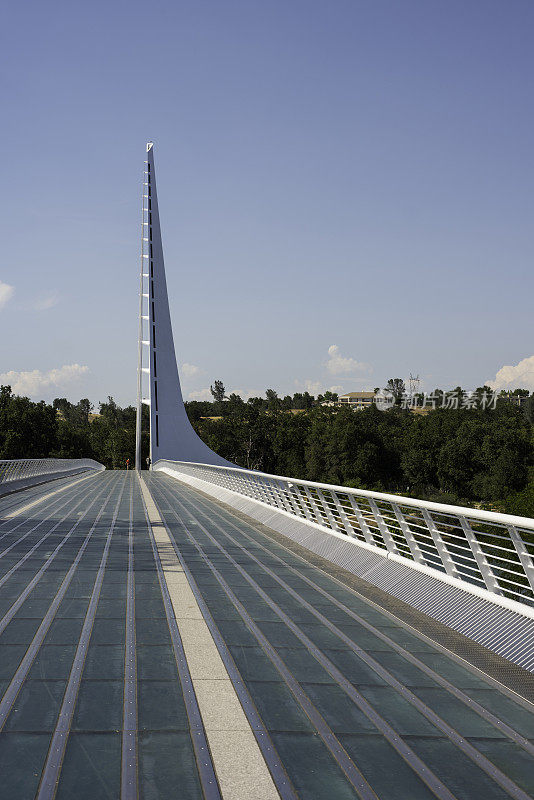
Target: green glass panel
{"type": "Point", "coordinates": [311, 768]}
{"type": "Point", "coordinates": [147, 591]}
{"type": "Point", "coordinates": [225, 610]}
{"type": "Point", "coordinates": [236, 632]}
{"type": "Point", "coordinates": [408, 640]}
{"type": "Point", "coordinates": [34, 607]}
{"type": "Point", "coordinates": [457, 675]}
{"type": "Point", "coordinates": [111, 607]}
{"type": "Point", "coordinates": [113, 590]}
{"type": "Point", "coordinates": [104, 661]}
{"type": "Point", "coordinates": [73, 607]}
{"type": "Point", "coordinates": [254, 664]}
{"type": "Point", "coordinates": [511, 759]}
{"type": "Point", "coordinates": [19, 631]}
{"type": "Point", "coordinates": [152, 631]}
{"type": "Point", "coordinates": [323, 637]}
{"type": "Point", "coordinates": [385, 770]}
{"type": "Point", "coordinates": [99, 706]}
{"type": "Point", "coordinates": [64, 631]}
{"type": "Point", "coordinates": [363, 638]}
{"type": "Point", "coordinates": [10, 658]}
{"type": "Point", "coordinates": [400, 714]}
{"type": "Point", "coordinates": [152, 607]}
{"type": "Point", "coordinates": [298, 614]}
{"type": "Point", "coordinates": [303, 666]}
{"type": "Point", "coordinates": [167, 767]}
{"type": "Point", "coordinates": [53, 662]}
{"type": "Point", "coordinates": [260, 612]}
{"type": "Point", "coordinates": [161, 706]}
{"type": "Point", "coordinates": [108, 631]}
{"type": "Point", "coordinates": [277, 707]}
{"type": "Point", "coordinates": [279, 634]}
{"type": "Point", "coordinates": [333, 613]}
{"type": "Point", "coordinates": [456, 713]}
{"type": "Point", "coordinates": [506, 709]}
{"type": "Point", "coordinates": [91, 768]}
{"type": "Point", "coordinates": [461, 775]}
{"type": "Point", "coordinates": [339, 711]}
{"type": "Point", "coordinates": [22, 756]}
{"type": "Point", "coordinates": [36, 707]}
{"type": "Point", "coordinates": [156, 663]}
{"type": "Point", "coordinates": [400, 668]}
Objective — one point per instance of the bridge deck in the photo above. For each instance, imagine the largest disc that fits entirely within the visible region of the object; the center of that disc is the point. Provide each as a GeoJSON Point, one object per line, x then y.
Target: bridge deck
{"type": "Point", "coordinates": [106, 681]}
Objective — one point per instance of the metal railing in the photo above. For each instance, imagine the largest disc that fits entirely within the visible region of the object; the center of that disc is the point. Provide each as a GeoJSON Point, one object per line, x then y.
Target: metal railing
{"type": "Point", "coordinates": [19, 468]}
{"type": "Point", "coordinates": [490, 552]}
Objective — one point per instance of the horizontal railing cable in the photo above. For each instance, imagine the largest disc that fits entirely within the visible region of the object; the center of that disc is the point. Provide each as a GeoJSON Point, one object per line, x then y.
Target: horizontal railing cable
{"type": "Point", "coordinates": [487, 552]}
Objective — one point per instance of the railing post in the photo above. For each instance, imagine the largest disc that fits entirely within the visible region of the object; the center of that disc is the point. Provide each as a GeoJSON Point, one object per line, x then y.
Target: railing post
{"type": "Point", "coordinates": [362, 522]}
{"type": "Point", "coordinates": [343, 514]}
{"type": "Point", "coordinates": [293, 501]}
{"type": "Point", "coordinates": [486, 571]}
{"type": "Point", "coordinates": [302, 497]}
{"type": "Point", "coordinates": [319, 519]}
{"type": "Point", "coordinates": [523, 554]}
{"type": "Point", "coordinates": [441, 547]}
{"type": "Point", "coordinates": [331, 519]}
{"type": "Point", "coordinates": [264, 491]}
{"type": "Point", "coordinates": [384, 530]}
{"type": "Point", "coordinates": [281, 497]}
{"type": "Point", "coordinates": [408, 535]}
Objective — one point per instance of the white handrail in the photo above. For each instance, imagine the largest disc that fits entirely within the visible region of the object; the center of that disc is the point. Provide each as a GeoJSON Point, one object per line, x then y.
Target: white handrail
{"type": "Point", "coordinates": [488, 552]}
{"type": "Point", "coordinates": [20, 468]}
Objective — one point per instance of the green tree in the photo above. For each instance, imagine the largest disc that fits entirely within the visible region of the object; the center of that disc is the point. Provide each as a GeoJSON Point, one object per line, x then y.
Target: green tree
{"type": "Point", "coordinates": [397, 388]}
{"type": "Point", "coordinates": [218, 391]}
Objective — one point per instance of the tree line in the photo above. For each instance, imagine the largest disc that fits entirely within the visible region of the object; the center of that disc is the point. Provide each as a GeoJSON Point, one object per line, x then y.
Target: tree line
{"type": "Point", "coordinates": [481, 456]}
{"type": "Point", "coordinates": [68, 430]}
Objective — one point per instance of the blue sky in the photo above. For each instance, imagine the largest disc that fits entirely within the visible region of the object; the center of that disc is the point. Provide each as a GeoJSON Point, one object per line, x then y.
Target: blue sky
{"type": "Point", "coordinates": [345, 191]}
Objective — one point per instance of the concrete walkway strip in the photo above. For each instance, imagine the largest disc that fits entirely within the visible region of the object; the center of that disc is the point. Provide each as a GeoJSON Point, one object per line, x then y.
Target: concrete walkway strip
{"type": "Point", "coordinates": [239, 764]}
{"type": "Point", "coordinates": [46, 497]}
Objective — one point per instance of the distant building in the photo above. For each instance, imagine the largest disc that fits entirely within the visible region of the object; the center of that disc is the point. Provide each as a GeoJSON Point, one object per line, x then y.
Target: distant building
{"type": "Point", "coordinates": [357, 400]}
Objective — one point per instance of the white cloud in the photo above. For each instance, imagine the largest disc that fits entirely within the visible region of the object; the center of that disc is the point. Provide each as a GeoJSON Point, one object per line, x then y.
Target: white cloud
{"type": "Point", "coordinates": [205, 394]}
{"type": "Point", "coordinates": [46, 301]}
{"type": "Point", "coordinates": [190, 370]}
{"type": "Point", "coordinates": [520, 376]}
{"type": "Point", "coordinates": [338, 364]}
{"type": "Point", "coordinates": [245, 394]}
{"type": "Point", "coordinates": [6, 293]}
{"type": "Point", "coordinates": [200, 394]}
{"type": "Point", "coordinates": [313, 387]}
{"type": "Point", "coordinates": [316, 387]}
{"type": "Point", "coordinates": [34, 383]}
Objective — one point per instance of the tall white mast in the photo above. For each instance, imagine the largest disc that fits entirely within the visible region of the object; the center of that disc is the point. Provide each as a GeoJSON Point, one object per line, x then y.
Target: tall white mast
{"type": "Point", "coordinates": [144, 311]}
{"type": "Point", "coordinates": [172, 436]}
